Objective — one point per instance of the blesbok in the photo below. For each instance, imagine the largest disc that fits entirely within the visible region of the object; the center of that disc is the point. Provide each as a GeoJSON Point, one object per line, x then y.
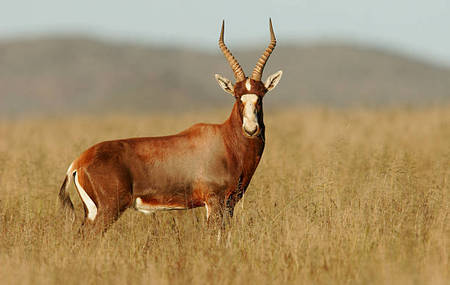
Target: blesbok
{"type": "Point", "coordinates": [207, 165]}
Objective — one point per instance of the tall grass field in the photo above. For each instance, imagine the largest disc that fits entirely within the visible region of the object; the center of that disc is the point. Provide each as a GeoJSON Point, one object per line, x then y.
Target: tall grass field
{"type": "Point", "coordinates": [351, 196]}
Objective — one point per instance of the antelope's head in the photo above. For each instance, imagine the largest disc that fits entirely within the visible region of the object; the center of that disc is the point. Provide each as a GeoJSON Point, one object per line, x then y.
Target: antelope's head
{"type": "Point", "coordinates": [249, 92]}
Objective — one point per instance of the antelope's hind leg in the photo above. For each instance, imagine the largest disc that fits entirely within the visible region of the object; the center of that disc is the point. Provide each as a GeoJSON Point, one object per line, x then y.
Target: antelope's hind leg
{"type": "Point", "coordinates": [104, 200]}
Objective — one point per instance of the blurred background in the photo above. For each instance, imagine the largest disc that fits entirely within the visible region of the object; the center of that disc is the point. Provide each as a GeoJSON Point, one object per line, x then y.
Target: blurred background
{"type": "Point", "coordinates": [71, 57]}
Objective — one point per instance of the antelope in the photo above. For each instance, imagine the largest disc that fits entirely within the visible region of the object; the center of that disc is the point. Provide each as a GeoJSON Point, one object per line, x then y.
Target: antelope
{"type": "Point", "coordinates": [208, 165]}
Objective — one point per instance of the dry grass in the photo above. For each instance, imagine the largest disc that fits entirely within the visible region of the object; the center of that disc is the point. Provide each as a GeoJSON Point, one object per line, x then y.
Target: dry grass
{"type": "Point", "coordinates": [358, 197]}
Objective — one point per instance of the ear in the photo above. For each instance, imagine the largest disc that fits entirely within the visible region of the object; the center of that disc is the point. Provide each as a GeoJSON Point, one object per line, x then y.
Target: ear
{"type": "Point", "coordinates": [273, 80]}
{"type": "Point", "coordinates": [225, 83]}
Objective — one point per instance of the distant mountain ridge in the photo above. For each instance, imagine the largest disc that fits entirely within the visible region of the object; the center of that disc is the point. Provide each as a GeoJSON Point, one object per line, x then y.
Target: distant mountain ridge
{"type": "Point", "coordinates": [73, 75]}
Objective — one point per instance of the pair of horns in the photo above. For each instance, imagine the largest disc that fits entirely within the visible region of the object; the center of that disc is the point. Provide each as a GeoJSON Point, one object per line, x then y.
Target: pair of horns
{"type": "Point", "coordinates": [236, 67]}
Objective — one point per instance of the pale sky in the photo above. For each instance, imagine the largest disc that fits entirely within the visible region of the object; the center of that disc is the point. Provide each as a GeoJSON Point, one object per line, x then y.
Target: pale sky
{"type": "Point", "coordinates": [413, 27]}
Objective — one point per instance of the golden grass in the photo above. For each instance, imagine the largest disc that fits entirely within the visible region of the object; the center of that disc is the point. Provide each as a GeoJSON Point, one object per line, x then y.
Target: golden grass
{"type": "Point", "coordinates": [349, 196]}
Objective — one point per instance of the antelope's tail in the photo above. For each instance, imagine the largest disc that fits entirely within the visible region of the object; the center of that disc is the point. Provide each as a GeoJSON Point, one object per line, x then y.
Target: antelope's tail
{"type": "Point", "coordinates": [64, 196]}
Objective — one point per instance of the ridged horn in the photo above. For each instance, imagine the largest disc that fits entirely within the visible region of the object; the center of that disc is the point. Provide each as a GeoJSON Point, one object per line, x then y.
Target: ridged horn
{"type": "Point", "coordinates": [237, 69]}
{"type": "Point", "coordinates": [257, 72]}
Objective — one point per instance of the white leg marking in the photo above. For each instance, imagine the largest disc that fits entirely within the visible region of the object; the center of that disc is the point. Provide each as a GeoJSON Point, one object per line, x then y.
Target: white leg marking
{"type": "Point", "coordinates": [141, 208]}
{"type": "Point", "coordinates": [146, 208]}
{"type": "Point", "coordinates": [207, 211]}
{"type": "Point", "coordinates": [219, 236]}
{"type": "Point", "coordinates": [90, 205]}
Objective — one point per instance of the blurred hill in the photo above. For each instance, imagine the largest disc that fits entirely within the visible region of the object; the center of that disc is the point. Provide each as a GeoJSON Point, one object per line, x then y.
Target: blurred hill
{"type": "Point", "coordinates": [61, 75]}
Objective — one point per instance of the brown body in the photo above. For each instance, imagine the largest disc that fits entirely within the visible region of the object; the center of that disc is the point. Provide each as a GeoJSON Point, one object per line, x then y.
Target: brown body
{"type": "Point", "coordinates": [206, 165]}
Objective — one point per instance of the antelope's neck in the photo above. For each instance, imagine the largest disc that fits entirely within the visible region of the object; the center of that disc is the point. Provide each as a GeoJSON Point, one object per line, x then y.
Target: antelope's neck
{"type": "Point", "coordinates": [247, 150]}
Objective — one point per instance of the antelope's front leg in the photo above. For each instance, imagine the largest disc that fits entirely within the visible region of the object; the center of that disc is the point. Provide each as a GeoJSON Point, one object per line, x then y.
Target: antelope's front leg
{"type": "Point", "coordinates": [234, 198]}
{"type": "Point", "coordinates": [230, 204]}
{"type": "Point", "coordinates": [215, 208]}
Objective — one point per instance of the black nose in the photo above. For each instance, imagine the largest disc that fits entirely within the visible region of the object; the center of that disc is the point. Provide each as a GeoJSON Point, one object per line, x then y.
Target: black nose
{"type": "Point", "coordinates": [252, 132]}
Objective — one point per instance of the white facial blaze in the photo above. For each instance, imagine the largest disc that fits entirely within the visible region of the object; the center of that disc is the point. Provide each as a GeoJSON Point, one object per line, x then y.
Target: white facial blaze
{"type": "Point", "coordinates": [250, 120]}
{"type": "Point", "coordinates": [248, 85]}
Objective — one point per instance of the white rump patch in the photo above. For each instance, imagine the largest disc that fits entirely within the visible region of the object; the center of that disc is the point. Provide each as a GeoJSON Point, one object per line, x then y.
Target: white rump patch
{"type": "Point", "coordinates": [250, 120]}
{"type": "Point", "coordinates": [148, 208]}
{"type": "Point", "coordinates": [90, 205]}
